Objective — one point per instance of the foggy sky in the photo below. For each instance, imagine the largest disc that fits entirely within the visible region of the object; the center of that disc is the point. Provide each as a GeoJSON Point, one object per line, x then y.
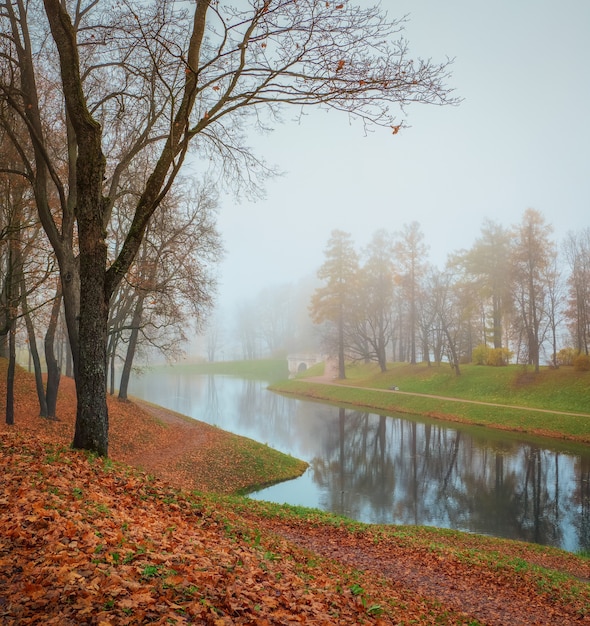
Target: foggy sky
{"type": "Point", "coordinates": [519, 139]}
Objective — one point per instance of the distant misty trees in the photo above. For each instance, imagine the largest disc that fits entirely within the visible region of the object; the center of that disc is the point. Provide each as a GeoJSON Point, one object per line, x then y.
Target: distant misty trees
{"type": "Point", "coordinates": [334, 301]}
{"type": "Point", "coordinates": [272, 323]}
{"type": "Point", "coordinates": [515, 292]}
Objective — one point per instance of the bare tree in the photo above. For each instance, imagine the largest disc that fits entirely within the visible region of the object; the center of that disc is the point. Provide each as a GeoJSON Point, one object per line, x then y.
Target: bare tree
{"type": "Point", "coordinates": [247, 330]}
{"type": "Point", "coordinates": [172, 76]}
{"type": "Point", "coordinates": [214, 339]}
{"type": "Point", "coordinates": [577, 253]}
{"type": "Point", "coordinates": [173, 276]}
{"type": "Point", "coordinates": [10, 289]}
{"type": "Point", "coordinates": [276, 320]}
{"type": "Point", "coordinates": [555, 299]}
{"type": "Point", "coordinates": [446, 291]}
{"type": "Point", "coordinates": [275, 316]}
{"type": "Point", "coordinates": [428, 331]}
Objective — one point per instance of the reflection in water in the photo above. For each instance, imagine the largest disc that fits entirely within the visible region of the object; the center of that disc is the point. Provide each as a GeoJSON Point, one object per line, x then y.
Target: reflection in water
{"type": "Point", "coordinates": [381, 469]}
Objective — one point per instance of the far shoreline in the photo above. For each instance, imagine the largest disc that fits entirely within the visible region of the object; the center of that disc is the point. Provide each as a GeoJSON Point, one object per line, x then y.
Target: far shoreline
{"type": "Point", "coordinates": [500, 417]}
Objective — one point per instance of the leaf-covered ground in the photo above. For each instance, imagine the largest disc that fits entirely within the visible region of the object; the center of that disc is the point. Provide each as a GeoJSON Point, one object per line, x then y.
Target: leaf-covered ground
{"type": "Point", "coordinates": [89, 541]}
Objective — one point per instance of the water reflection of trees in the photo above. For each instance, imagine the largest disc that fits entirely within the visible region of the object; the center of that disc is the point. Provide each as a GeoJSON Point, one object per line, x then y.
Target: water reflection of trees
{"type": "Point", "coordinates": [355, 464]}
{"type": "Point", "coordinates": [244, 405]}
{"type": "Point", "coordinates": [582, 502]}
{"type": "Point", "coordinates": [391, 470]}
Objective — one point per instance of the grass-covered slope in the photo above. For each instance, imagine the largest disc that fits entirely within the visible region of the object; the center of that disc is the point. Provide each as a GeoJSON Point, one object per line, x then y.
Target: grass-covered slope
{"type": "Point", "coordinates": [553, 403]}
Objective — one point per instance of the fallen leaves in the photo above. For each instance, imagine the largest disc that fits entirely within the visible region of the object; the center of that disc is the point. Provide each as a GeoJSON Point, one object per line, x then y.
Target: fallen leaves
{"type": "Point", "coordinates": [83, 538]}
{"type": "Point", "coordinates": [91, 541]}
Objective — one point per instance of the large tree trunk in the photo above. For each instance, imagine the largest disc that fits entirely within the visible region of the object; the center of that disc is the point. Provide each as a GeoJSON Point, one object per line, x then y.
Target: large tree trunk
{"type": "Point", "coordinates": [12, 298]}
{"type": "Point", "coordinates": [10, 374]}
{"type": "Point", "coordinates": [89, 355]}
{"type": "Point", "coordinates": [89, 341]}
{"type": "Point", "coordinates": [92, 421]}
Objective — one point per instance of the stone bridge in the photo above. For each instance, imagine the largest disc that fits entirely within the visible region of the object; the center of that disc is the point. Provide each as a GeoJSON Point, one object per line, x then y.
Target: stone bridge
{"type": "Point", "coordinates": [300, 362]}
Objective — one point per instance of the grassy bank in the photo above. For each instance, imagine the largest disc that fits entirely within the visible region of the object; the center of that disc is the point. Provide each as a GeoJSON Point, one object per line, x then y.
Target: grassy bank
{"type": "Point", "coordinates": [481, 395]}
{"type": "Point", "coordinates": [562, 389]}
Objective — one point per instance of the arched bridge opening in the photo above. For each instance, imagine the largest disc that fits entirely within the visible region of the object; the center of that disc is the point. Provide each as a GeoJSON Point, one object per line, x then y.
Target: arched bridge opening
{"type": "Point", "coordinates": [300, 362]}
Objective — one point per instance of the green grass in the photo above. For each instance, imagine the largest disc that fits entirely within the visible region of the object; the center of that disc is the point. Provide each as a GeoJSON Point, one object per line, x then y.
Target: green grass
{"type": "Point", "coordinates": [563, 390]}
{"type": "Point", "coordinates": [266, 466]}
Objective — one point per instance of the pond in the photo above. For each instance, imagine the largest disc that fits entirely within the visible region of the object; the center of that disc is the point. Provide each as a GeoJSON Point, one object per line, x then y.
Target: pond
{"type": "Point", "coordinates": [398, 470]}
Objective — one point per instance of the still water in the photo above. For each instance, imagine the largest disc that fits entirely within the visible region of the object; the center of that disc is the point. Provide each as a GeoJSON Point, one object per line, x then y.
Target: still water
{"type": "Point", "coordinates": [396, 470]}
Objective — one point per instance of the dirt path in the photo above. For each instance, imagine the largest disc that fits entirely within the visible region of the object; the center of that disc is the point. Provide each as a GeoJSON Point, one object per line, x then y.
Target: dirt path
{"type": "Point", "coordinates": [163, 456]}
{"type": "Point", "coordinates": [458, 587]}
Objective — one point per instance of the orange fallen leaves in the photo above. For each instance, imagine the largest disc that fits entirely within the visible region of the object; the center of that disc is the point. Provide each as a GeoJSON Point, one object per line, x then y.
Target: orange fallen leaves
{"type": "Point", "coordinates": [86, 541]}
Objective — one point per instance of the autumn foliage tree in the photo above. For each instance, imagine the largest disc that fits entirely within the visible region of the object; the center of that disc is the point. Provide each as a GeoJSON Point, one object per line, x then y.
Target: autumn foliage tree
{"type": "Point", "coordinates": [333, 302]}
{"type": "Point", "coordinates": [488, 264]}
{"type": "Point", "coordinates": [577, 253]}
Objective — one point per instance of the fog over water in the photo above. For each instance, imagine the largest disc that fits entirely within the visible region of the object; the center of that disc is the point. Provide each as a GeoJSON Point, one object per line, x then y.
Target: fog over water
{"type": "Point", "coordinates": [519, 139]}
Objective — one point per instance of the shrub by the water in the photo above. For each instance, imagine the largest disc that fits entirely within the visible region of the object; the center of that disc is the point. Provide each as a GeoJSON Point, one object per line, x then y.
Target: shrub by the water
{"type": "Point", "coordinates": [483, 355]}
{"type": "Point", "coordinates": [566, 356]}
